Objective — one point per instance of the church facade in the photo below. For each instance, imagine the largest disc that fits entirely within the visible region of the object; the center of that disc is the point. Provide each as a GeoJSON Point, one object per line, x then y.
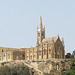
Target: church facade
{"type": "Point", "coordinates": [46, 48]}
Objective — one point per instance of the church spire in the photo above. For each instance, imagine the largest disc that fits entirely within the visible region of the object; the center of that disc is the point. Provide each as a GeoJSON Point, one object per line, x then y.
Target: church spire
{"type": "Point", "coordinates": [63, 41]}
{"type": "Point", "coordinates": [40, 22]}
{"type": "Point", "coordinates": [40, 33]}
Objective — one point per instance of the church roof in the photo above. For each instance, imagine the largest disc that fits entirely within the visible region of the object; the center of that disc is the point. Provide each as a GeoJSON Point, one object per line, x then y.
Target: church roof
{"type": "Point", "coordinates": [50, 40]}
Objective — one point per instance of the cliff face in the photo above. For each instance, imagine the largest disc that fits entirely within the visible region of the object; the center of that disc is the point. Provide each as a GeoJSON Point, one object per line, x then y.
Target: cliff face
{"type": "Point", "coordinates": [41, 67]}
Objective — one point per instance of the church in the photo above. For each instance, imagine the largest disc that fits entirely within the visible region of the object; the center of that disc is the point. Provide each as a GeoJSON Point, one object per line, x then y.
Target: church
{"type": "Point", "coordinates": [47, 58]}
{"type": "Point", "coordinates": [46, 48]}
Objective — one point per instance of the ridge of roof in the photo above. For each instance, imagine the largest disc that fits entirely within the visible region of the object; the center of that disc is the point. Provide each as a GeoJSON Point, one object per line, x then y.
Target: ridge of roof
{"type": "Point", "coordinates": [50, 40]}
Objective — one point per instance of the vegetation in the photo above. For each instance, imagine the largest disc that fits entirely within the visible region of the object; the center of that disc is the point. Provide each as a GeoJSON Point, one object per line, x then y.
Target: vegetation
{"type": "Point", "coordinates": [68, 72]}
{"type": "Point", "coordinates": [69, 55]}
{"type": "Point", "coordinates": [72, 70]}
{"type": "Point", "coordinates": [17, 70]}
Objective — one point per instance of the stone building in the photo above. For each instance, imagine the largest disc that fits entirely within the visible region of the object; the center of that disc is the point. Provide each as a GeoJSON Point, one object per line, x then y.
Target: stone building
{"type": "Point", "coordinates": [51, 49]}
{"type": "Point", "coordinates": [10, 54]}
{"type": "Point", "coordinates": [46, 48]}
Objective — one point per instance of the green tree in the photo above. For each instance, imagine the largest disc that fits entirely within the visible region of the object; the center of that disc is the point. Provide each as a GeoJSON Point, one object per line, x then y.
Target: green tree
{"type": "Point", "coordinates": [5, 70]}
{"type": "Point", "coordinates": [26, 71]}
{"type": "Point", "coordinates": [17, 70]}
{"type": "Point", "coordinates": [71, 71]}
{"type": "Point", "coordinates": [68, 55]}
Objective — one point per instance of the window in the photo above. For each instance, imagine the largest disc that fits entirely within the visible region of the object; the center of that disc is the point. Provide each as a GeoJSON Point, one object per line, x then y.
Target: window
{"type": "Point", "coordinates": [23, 56]}
{"type": "Point", "coordinates": [4, 57]}
{"type": "Point", "coordinates": [20, 56]}
{"type": "Point", "coordinates": [8, 56]}
{"type": "Point", "coordinates": [40, 53]}
{"type": "Point", "coordinates": [17, 57]}
{"type": "Point", "coordinates": [49, 51]}
{"type": "Point", "coordinates": [42, 34]}
{"type": "Point", "coordinates": [2, 50]}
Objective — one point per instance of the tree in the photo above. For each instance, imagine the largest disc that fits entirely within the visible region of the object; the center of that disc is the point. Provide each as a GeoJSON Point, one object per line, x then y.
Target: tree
{"type": "Point", "coordinates": [68, 55]}
{"type": "Point", "coordinates": [5, 70]}
{"type": "Point", "coordinates": [26, 71]}
{"type": "Point", "coordinates": [71, 71]}
{"type": "Point", "coordinates": [16, 70]}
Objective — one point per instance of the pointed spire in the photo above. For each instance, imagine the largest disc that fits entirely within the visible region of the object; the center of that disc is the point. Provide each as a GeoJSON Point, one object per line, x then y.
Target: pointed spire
{"type": "Point", "coordinates": [40, 22]}
{"type": "Point", "coordinates": [37, 26]}
{"type": "Point", "coordinates": [58, 35]}
{"type": "Point", "coordinates": [63, 41]}
{"type": "Point", "coordinates": [44, 27]}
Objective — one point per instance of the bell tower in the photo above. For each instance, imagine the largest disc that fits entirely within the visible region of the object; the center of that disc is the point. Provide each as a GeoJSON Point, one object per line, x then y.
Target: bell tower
{"type": "Point", "coordinates": [40, 32]}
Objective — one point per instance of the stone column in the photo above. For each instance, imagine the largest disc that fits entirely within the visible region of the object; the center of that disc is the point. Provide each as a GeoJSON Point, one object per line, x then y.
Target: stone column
{"type": "Point", "coordinates": [37, 52]}
{"type": "Point", "coordinates": [6, 56]}
{"type": "Point", "coordinates": [11, 56]}
{"type": "Point", "coordinates": [29, 54]}
{"type": "Point", "coordinates": [47, 50]}
{"type": "Point", "coordinates": [54, 51]}
{"type": "Point", "coordinates": [2, 57]}
{"type": "Point", "coordinates": [33, 53]}
{"type": "Point", "coordinates": [25, 54]}
{"type": "Point", "coordinates": [64, 52]}
{"type": "Point", "coordinates": [42, 51]}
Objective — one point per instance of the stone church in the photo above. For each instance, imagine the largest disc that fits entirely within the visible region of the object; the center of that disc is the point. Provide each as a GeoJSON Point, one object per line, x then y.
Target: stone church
{"type": "Point", "coordinates": [48, 56]}
{"type": "Point", "coordinates": [46, 48]}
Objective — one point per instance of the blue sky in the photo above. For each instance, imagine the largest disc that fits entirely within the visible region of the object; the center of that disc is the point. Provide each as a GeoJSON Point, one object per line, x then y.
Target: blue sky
{"type": "Point", "coordinates": [19, 20]}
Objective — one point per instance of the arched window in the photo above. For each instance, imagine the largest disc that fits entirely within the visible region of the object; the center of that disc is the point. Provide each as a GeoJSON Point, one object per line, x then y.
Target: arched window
{"type": "Point", "coordinates": [49, 51]}
{"type": "Point", "coordinates": [2, 50]}
{"type": "Point", "coordinates": [4, 57]}
{"type": "Point", "coordinates": [40, 53]}
{"type": "Point", "coordinates": [42, 34]}
{"type": "Point", "coordinates": [8, 56]}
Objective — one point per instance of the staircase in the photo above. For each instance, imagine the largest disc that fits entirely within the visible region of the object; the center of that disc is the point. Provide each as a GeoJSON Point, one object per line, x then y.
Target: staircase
{"type": "Point", "coordinates": [31, 67]}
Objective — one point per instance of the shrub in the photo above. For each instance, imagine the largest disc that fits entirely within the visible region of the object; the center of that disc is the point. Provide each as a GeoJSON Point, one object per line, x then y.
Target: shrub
{"type": "Point", "coordinates": [17, 70]}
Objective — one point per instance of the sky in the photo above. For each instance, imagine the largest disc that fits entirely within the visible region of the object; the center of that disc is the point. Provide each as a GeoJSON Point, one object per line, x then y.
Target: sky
{"type": "Point", "coordinates": [19, 20]}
